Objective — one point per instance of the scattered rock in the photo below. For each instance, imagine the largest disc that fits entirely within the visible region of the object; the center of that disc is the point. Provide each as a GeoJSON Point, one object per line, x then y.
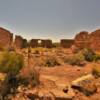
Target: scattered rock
{"type": "Point", "coordinates": [85, 85]}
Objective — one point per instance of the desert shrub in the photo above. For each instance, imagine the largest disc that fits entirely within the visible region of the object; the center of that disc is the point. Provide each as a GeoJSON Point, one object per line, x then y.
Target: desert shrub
{"type": "Point", "coordinates": [29, 77]}
{"type": "Point", "coordinates": [51, 61]}
{"type": "Point", "coordinates": [75, 49]}
{"type": "Point", "coordinates": [11, 62]}
{"type": "Point", "coordinates": [36, 52]}
{"type": "Point", "coordinates": [76, 59]}
{"type": "Point", "coordinates": [2, 48]}
{"type": "Point", "coordinates": [96, 70]}
{"type": "Point", "coordinates": [96, 57]}
{"type": "Point", "coordinates": [89, 54]}
{"type": "Point", "coordinates": [11, 48]}
{"type": "Point", "coordinates": [9, 86]}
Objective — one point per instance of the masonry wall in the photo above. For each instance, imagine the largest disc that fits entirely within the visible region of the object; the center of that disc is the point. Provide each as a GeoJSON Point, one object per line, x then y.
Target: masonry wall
{"type": "Point", "coordinates": [81, 40]}
{"type": "Point", "coordinates": [66, 43]}
{"type": "Point", "coordinates": [33, 43]}
{"type": "Point", "coordinates": [46, 43]}
{"type": "Point", "coordinates": [6, 38]}
{"type": "Point", "coordinates": [18, 43]}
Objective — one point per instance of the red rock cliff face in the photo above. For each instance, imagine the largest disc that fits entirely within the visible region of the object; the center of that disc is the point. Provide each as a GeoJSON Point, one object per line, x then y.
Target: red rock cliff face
{"type": "Point", "coordinates": [95, 40]}
{"type": "Point", "coordinates": [82, 40]}
{"type": "Point", "coordinates": [6, 38]}
{"type": "Point", "coordinates": [66, 43]}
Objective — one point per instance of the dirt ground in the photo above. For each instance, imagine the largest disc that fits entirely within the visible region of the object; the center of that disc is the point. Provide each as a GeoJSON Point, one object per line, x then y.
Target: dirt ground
{"type": "Point", "coordinates": [55, 79]}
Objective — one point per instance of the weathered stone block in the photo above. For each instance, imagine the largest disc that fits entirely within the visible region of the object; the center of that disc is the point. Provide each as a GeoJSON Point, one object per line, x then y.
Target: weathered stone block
{"type": "Point", "coordinates": [6, 38]}
{"type": "Point", "coordinates": [18, 43]}
{"type": "Point", "coordinates": [46, 43]}
{"type": "Point", "coordinates": [34, 43]}
{"type": "Point", "coordinates": [66, 43]}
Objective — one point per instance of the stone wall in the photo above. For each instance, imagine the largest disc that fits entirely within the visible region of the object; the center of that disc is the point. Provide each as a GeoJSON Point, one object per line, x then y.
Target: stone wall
{"type": "Point", "coordinates": [6, 38]}
{"type": "Point", "coordinates": [18, 43]}
{"type": "Point", "coordinates": [25, 43]}
{"type": "Point", "coordinates": [66, 43]}
{"type": "Point", "coordinates": [46, 43]}
{"type": "Point", "coordinates": [81, 40]}
{"type": "Point", "coordinates": [34, 43]}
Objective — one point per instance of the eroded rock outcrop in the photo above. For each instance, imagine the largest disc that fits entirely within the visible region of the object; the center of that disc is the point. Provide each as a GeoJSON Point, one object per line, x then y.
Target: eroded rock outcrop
{"type": "Point", "coordinates": [86, 40]}
{"type": "Point", "coordinates": [82, 40]}
{"type": "Point", "coordinates": [95, 40]}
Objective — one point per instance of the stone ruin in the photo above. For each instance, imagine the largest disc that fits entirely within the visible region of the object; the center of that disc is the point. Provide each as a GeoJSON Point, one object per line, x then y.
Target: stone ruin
{"type": "Point", "coordinates": [19, 42]}
{"type": "Point", "coordinates": [25, 43]}
{"type": "Point", "coordinates": [46, 43]}
{"type": "Point", "coordinates": [66, 43]}
{"type": "Point", "coordinates": [34, 43]}
{"type": "Point", "coordinates": [82, 40]}
{"type": "Point", "coordinates": [41, 43]}
{"type": "Point", "coordinates": [6, 38]}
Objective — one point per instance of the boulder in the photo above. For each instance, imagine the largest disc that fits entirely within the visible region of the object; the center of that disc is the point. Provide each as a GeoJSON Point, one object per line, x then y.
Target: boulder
{"type": "Point", "coordinates": [82, 40]}
{"type": "Point", "coordinates": [85, 84]}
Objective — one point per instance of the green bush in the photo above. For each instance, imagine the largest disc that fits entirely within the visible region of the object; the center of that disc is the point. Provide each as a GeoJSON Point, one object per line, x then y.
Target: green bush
{"type": "Point", "coordinates": [11, 62]}
{"type": "Point", "coordinates": [96, 57]}
{"type": "Point", "coordinates": [76, 59]}
{"type": "Point", "coordinates": [89, 54]}
{"type": "Point", "coordinates": [8, 86]}
{"type": "Point", "coordinates": [52, 61]}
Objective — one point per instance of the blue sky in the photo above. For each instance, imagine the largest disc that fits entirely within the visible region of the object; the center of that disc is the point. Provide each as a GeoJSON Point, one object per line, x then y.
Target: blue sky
{"type": "Point", "coordinates": [54, 19]}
